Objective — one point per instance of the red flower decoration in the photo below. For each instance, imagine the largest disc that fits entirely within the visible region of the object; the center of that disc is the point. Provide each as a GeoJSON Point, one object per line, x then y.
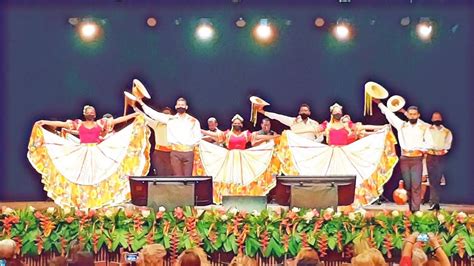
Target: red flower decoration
{"type": "Point", "coordinates": [369, 215]}
{"type": "Point", "coordinates": [159, 215]}
{"type": "Point", "coordinates": [91, 213]}
{"type": "Point", "coordinates": [128, 213]}
{"type": "Point", "coordinates": [38, 215]}
{"type": "Point", "coordinates": [79, 213]}
{"type": "Point", "coordinates": [291, 214]}
{"type": "Point", "coordinates": [178, 213]}
{"type": "Point", "coordinates": [69, 219]}
{"type": "Point", "coordinates": [327, 216]}
{"type": "Point", "coordinates": [461, 217]}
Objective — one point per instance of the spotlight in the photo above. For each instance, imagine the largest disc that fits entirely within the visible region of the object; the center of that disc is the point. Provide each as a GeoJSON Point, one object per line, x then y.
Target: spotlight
{"type": "Point", "coordinates": [151, 22]}
{"type": "Point", "coordinates": [342, 31]}
{"type": "Point", "coordinates": [319, 22]}
{"type": "Point", "coordinates": [205, 31]}
{"type": "Point", "coordinates": [424, 29]}
{"type": "Point", "coordinates": [264, 32]}
{"type": "Point", "coordinates": [89, 31]}
{"type": "Point", "coordinates": [240, 23]}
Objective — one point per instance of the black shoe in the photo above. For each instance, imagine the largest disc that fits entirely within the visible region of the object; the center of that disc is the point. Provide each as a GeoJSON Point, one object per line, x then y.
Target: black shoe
{"type": "Point", "coordinates": [434, 207]}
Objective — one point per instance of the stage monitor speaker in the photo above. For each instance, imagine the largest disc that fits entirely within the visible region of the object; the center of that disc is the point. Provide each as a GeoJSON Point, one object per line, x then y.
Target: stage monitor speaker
{"type": "Point", "coordinates": [171, 192]}
{"type": "Point", "coordinates": [314, 197]}
{"type": "Point", "coordinates": [170, 195]}
{"type": "Point", "coordinates": [287, 193]}
{"type": "Point", "coordinates": [245, 203]}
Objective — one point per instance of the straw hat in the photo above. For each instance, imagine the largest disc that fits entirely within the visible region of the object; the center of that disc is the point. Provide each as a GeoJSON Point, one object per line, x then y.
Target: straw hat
{"type": "Point", "coordinates": [373, 90]}
{"type": "Point", "coordinates": [395, 103]}
{"type": "Point", "coordinates": [139, 90]}
{"type": "Point", "coordinates": [256, 103]}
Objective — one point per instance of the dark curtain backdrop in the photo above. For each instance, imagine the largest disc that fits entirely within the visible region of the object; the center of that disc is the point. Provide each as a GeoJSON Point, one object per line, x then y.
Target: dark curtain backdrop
{"type": "Point", "coordinates": [48, 73]}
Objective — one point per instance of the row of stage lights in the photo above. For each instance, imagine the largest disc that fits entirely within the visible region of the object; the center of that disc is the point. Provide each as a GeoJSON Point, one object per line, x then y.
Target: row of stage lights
{"type": "Point", "coordinates": [264, 32]}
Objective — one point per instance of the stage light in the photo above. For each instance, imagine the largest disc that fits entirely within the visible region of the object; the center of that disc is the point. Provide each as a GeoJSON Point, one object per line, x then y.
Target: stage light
{"type": "Point", "coordinates": [424, 29]}
{"type": "Point", "coordinates": [240, 23]}
{"type": "Point", "coordinates": [342, 31]}
{"type": "Point", "coordinates": [89, 30]}
{"type": "Point", "coordinates": [263, 31]}
{"type": "Point", "coordinates": [151, 22]}
{"type": "Point", "coordinates": [205, 31]}
{"type": "Point", "coordinates": [319, 22]}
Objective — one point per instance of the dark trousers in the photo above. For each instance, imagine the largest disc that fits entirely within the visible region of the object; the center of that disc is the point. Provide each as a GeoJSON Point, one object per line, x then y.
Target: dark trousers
{"type": "Point", "coordinates": [435, 165]}
{"type": "Point", "coordinates": [161, 162]}
{"type": "Point", "coordinates": [412, 168]}
{"type": "Point", "coordinates": [182, 163]}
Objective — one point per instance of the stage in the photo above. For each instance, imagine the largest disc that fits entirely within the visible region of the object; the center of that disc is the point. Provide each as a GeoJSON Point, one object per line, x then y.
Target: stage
{"type": "Point", "coordinates": [115, 108]}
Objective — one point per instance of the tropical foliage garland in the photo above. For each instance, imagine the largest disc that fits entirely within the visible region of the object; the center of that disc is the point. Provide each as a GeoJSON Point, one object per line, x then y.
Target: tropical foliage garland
{"type": "Point", "coordinates": [271, 233]}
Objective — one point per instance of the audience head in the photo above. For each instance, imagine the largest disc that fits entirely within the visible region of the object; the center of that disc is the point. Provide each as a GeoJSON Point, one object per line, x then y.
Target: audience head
{"type": "Point", "coordinates": [152, 255]}
{"type": "Point", "coordinates": [369, 257]}
{"type": "Point", "coordinates": [307, 257]}
{"type": "Point", "coordinates": [193, 257]}
{"type": "Point", "coordinates": [58, 261]}
{"type": "Point", "coordinates": [7, 249]}
{"type": "Point", "coordinates": [418, 256]}
{"type": "Point", "coordinates": [360, 246]}
{"type": "Point", "coordinates": [243, 260]}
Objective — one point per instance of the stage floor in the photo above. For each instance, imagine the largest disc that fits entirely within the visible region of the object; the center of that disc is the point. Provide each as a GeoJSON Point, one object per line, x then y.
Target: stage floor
{"type": "Point", "coordinates": [390, 206]}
